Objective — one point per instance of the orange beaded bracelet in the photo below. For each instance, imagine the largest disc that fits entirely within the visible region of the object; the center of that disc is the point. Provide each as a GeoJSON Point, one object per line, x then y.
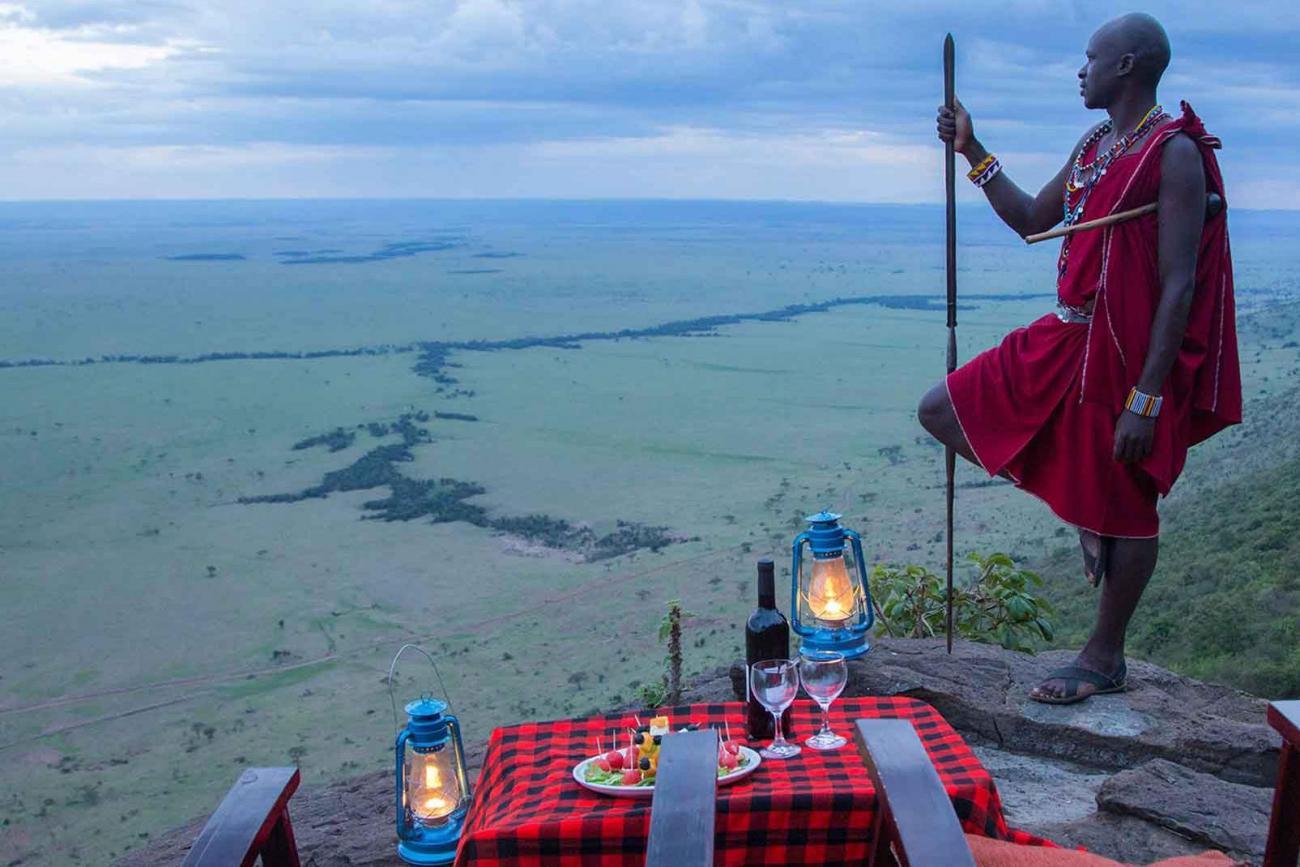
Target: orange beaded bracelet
{"type": "Point", "coordinates": [1142, 404]}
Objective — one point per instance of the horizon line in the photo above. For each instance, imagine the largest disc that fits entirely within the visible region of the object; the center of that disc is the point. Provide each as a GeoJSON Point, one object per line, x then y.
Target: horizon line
{"type": "Point", "coordinates": [583, 199]}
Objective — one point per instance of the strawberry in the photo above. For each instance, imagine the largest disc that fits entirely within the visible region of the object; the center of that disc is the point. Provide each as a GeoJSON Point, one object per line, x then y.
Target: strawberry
{"type": "Point", "coordinates": [729, 761]}
{"type": "Point", "coordinates": [631, 777]}
{"type": "Point", "coordinates": [614, 759]}
{"type": "Point", "coordinates": [732, 747]}
{"type": "Point", "coordinates": [603, 764]}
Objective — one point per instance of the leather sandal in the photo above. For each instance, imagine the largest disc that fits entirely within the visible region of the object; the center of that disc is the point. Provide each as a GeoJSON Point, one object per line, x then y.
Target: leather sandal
{"type": "Point", "coordinates": [1075, 676]}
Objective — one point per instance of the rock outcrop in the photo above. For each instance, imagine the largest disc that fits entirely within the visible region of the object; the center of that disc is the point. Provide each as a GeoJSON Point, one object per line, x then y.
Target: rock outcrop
{"type": "Point", "coordinates": [1173, 766]}
{"type": "Point", "coordinates": [983, 691]}
{"type": "Point", "coordinates": [1200, 807]}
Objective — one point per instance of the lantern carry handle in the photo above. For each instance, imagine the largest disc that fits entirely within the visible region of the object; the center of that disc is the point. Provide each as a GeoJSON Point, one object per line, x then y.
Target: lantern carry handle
{"type": "Point", "coordinates": [392, 700]}
{"type": "Point", "coordinates": [797, 551]}
{"type": "Point", "coordinates": [855, 541]}
{"type": "Point", "coordinates": [461, 776]}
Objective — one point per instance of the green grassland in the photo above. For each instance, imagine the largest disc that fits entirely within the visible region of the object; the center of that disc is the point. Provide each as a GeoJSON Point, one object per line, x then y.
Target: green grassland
{"type": "Point", "coordinates": [170, 634]}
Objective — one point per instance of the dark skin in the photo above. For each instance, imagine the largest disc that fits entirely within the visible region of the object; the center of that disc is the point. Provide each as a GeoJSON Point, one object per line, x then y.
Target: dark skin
{"type": "Point", "coordinates": [1124, 60]}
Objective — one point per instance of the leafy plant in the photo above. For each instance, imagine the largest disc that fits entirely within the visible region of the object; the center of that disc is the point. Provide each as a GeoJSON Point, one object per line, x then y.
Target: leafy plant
{"type": "Point", "coordinates": [996, 603]}
{"type": "Point", "coordinates": [909, 600]}
{"type": "Point", "coordinates": [654, 694]}
{"type": "Point", "coordinates": [669, 688]}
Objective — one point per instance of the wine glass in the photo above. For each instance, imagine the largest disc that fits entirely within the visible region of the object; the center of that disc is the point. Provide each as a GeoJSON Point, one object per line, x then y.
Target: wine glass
{"type": "Point", "coordinates": [823, 674]}
{"type": "Point", "coordinates": [775, 682]}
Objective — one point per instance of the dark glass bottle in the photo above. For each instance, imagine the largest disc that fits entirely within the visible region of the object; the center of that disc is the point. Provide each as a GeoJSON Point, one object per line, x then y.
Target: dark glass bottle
{"type": "Point", "coordinates": [767, 636]}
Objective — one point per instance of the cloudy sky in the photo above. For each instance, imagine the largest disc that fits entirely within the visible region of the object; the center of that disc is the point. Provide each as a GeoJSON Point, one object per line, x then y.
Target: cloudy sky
{"type": "Point", "coordinates": [790, 99]}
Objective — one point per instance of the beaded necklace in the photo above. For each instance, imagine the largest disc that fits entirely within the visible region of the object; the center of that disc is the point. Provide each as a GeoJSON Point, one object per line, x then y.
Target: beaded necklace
{"type": "Point", "coordinates": [1083, 177]}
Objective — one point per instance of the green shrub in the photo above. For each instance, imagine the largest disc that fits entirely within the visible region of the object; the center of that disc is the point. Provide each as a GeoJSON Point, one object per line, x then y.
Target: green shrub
{"type": "Point", "coordinates": [996, 603]}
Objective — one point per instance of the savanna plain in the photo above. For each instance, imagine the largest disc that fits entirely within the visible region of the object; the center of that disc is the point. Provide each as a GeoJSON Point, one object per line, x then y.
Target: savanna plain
{"type": "Point", "coordinates": [252, 448]}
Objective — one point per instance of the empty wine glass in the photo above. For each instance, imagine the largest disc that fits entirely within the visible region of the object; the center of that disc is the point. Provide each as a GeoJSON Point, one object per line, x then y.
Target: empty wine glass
{"type": "Point", "coordinates": [823, 675]}
{"type": "Point", "coordinates": [775, 682]}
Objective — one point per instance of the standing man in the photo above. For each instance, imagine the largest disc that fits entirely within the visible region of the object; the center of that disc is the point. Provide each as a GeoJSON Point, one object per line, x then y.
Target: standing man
{"type": "Point", "coordinates": [1093, 408]}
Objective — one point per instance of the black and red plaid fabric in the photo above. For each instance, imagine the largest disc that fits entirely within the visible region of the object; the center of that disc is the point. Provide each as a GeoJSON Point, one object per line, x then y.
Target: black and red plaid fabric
{"type": "Point", "coordinates": [816, 808]}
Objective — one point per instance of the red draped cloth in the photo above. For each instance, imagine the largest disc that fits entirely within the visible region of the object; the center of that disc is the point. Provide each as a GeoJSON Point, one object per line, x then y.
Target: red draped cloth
{"type": "Point", "coordinates": [1041, 407]}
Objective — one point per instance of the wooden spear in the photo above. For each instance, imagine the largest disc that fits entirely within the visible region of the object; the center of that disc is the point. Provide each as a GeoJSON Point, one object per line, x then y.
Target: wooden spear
{"type": "Point", "coordinates": [950, 191]}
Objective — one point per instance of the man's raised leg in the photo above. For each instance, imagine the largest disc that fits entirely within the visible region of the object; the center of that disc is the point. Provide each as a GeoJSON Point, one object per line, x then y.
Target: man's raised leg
{"type": "Point", "coordinates": [937, 416]}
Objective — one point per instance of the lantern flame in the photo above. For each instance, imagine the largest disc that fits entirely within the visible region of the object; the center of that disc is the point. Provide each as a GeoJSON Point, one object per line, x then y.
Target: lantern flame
{"type": "Point", "coordinates": [435, 806]}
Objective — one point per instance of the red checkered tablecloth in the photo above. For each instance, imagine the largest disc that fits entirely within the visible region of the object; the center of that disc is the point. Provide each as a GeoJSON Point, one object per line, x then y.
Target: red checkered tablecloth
{"type": "Point", "coordinates": [816, 808]}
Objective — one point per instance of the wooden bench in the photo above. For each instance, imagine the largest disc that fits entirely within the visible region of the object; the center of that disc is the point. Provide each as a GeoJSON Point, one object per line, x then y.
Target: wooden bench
{"type": "Point", "coordinates": [924, 832]}
{"type": "Point", "coordinates": [251, 821]}
{"type": "Point", "coordinates": [915, 825]}
{"type": "Point", "coordinates": [685, 801]}
{"type": "Point", "coordinates": [1283, 848]}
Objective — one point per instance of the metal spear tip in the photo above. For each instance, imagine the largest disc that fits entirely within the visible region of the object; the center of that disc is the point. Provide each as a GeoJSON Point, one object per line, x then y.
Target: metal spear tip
{"type": "Point", "coordinates": [949, 62]}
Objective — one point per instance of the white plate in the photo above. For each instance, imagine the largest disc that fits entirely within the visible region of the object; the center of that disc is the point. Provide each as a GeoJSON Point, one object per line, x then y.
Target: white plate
{"type": "Point", "coordinates": [752, 761]}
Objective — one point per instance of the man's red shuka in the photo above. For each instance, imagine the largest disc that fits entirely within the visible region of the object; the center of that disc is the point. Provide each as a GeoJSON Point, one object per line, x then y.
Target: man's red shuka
{"type": "Point", "coordinates": [1041, 407]}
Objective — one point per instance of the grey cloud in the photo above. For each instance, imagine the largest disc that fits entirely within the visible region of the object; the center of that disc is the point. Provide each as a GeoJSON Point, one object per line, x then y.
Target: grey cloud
{"type": "Point", "coordinates": [124, 21]}
{"type": "Point", "coordinates": [422, 74]}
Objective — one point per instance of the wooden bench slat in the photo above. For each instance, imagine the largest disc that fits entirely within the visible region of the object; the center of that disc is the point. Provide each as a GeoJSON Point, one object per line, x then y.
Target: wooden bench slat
{"type": "Point", "coordinates": [254, 811]}
{"type": "Point", "coordinates": [683, 810]}
{"type": "Point", "coordinates": [1283, 846]}
{"type": "Point", "coordinates": [912, 805]}
{"type": "Point", "coordinates": [1284, 716]}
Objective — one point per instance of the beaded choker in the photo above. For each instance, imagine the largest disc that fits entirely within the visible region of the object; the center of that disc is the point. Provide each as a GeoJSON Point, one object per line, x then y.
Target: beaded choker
{"type": "Point", "coordinates": [1084, 176]}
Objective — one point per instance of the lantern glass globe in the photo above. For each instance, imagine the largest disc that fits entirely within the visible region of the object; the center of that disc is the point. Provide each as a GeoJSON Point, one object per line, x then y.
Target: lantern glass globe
{"type": "Point", "coordinates": [832, 598]}
{"type": "Point", "coordinates": [433, 790]}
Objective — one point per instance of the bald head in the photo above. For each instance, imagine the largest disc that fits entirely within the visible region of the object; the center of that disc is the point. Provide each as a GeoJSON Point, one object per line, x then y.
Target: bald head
{"type": "Point", "coordinates": [1130, 51]}
{"type": "Point", "coordinates": [1142, 36]}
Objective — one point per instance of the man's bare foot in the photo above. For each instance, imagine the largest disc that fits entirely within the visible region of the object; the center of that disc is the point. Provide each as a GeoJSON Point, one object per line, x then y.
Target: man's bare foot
{"type": "Point", "coordinates": [1086, 677]}
{"type": "Point", "coordinates": [1096, 556]}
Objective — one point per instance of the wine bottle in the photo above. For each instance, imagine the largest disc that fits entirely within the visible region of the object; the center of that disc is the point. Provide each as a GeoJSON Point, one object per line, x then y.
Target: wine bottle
{"type": "Point", "coordinates": [767, 636]}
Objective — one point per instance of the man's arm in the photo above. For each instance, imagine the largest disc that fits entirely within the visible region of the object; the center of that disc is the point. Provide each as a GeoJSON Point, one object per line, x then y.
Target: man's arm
{"type": "Point", "coordinates": [1181, 219]}
{"type": "Point", "coordinates": [1025, 214]}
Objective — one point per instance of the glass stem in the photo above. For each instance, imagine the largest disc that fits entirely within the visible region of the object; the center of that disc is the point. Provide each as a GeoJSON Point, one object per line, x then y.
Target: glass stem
{"type": "Point", "coordinates": [779, 740]}
{"type": "Point", "coordinates": [826, 719]}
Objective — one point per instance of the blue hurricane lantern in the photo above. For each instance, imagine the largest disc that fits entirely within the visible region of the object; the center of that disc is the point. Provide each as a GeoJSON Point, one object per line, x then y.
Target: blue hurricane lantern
{"type": "Point", "coordinates": [830, 606]}
{"type": "Point", "coordinates": [432, 789]}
